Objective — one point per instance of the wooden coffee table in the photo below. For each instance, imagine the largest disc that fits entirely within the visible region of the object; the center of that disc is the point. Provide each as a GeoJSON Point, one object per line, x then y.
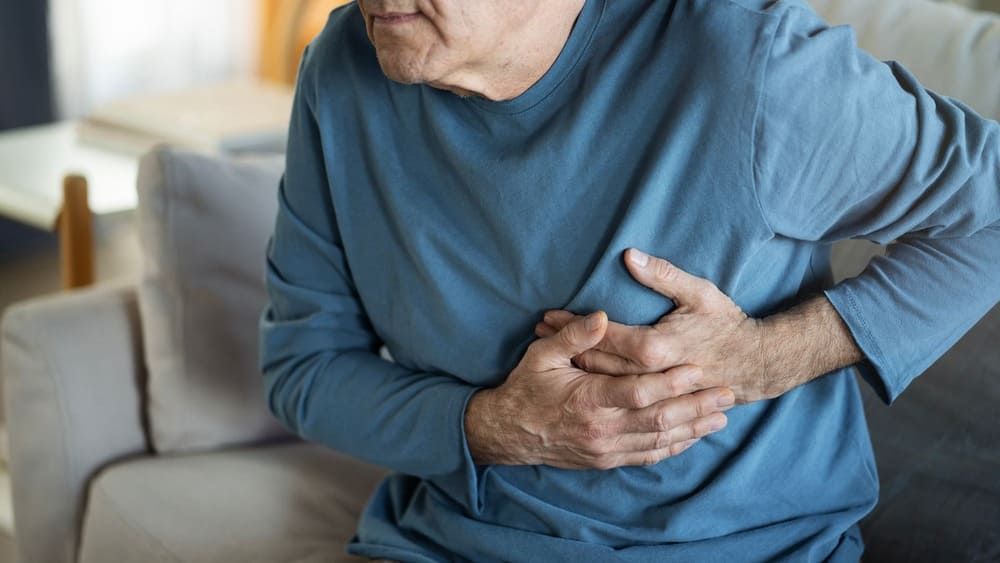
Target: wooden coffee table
{"type": "Point", "coordinates": [49, 181]}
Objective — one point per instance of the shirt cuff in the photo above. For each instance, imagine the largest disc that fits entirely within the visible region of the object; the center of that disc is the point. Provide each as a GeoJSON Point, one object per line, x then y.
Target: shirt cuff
{"type": "Point", "coordinates": [473, 473]}
{"type": "Point", "coordinates": [875, 368]}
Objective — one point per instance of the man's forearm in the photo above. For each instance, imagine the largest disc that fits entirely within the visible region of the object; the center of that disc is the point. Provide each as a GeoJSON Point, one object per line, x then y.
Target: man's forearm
{"type": "Point", "coordinates": [803, 343]}
{"type": "Point", "coordinates": [485, 431]}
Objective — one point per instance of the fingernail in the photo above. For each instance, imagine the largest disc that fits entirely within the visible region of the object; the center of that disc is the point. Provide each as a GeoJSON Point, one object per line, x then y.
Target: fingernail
{"type": "Point", "coordinates": [593, 321]}
{"type": "Point", "coordinates": [725, 400]}
{"type": "Point", "coordinates": [718, 424]}
{"type": "Point", "coordinates": [638, 257]}
{"type": "Point", "coordinates": [548, 317]}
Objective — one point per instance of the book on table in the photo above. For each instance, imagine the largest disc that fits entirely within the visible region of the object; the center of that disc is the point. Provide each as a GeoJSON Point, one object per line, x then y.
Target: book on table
{"type": "Point", "coordinates": [226, 118]}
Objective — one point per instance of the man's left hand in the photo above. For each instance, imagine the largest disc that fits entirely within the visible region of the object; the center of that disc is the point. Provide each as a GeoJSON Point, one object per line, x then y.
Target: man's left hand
{"type": "Point", "coordinates": [706, 329]}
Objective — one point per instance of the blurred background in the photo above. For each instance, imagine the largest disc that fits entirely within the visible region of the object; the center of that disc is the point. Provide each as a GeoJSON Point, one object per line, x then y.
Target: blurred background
{"type": "Point", "coordinates": [89, 85]}
{"type": "Point", "coordinates": [117, 76]}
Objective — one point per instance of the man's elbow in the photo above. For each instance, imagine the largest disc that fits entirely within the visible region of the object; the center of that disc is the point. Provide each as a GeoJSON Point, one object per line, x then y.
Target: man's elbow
{"type": "Point", "coordinates": [279, 392]}
{"type": "Point", "coordinates": [285, 371]}
{"type": "Point", "coordinates": [288, 386]}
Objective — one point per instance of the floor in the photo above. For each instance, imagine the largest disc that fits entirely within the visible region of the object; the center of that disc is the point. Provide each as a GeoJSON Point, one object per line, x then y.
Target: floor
{"type": "Point", "coordinates": [29, 267]}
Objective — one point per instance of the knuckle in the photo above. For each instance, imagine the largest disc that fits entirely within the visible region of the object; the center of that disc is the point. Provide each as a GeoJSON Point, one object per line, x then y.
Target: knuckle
{"type": "Point", "coordinates": [534, 351]}
{"type": "Point", "coordinates": [662, 440]}
{"type": "Point", "coordinates": [676, 386]}
{"type": "Point", "coordinates": [577, 405]}
{"type": "Point", "coordinates": [589, 400]}
{"type": "Point", "coordinates": [637, 397]}
{"type": "Point", "coordinates": [691, 374]}
{"type": "Point", "coordinates": [710, 289]}
{"type": "Point", "coordinates": [649, 353]}
{"type": "Point", "coordinates": [664, 270]}
{"type": "Point", "coordinates": [605, 462]}
{"type": "Point", "coordinates": [566, 336]}
{"type": "Point", "coordinates": [598, 450]}
{"type": "Point", "coordinates": [592, 433]}
{"type": "Point", "coordinates": [703, 406]}
{"type": "Point", "coordinates": [685, 433]}
{"type": "Point", "coordinates": [664, 420]}
{"type": "Point", "coordinates": [700, 408]}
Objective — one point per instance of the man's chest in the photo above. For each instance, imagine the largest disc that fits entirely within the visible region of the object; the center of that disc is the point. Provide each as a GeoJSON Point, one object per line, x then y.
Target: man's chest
{"type": "Point", "coordinates": [456, 251]}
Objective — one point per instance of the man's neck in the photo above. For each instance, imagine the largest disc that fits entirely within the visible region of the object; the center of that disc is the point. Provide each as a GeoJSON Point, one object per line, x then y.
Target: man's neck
{"type": "Point", "coordinates": [521, 60]}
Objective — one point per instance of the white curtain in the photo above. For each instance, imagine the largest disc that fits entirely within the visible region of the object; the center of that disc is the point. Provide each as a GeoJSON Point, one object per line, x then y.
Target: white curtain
{"type": "Point", "coordinates": [107, 49]}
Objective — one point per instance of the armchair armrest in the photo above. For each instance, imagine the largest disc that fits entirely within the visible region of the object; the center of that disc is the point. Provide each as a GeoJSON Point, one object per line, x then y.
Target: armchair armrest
{"type": "Point", "coordinates": [950, 48]}
{"type": "Point", "coordinates": [73, 371]}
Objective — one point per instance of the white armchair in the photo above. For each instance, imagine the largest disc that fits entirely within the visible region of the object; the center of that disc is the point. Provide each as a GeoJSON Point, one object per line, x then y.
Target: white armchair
{"type": "Point", "coordinates": [951, 49]}
{"type": "Point", "coordinates": [88, 487]}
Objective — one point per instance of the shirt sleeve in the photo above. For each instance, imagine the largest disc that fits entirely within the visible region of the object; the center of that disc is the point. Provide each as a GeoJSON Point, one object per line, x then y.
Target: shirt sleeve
{"type": "Point", "coordinates": [323, 375]}
{"type": "Point", "coordinates": [850, 147]}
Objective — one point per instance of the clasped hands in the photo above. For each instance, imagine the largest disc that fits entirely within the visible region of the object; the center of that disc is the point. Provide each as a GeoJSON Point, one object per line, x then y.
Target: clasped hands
{"type": "Point", "coordinates": [591, 393]}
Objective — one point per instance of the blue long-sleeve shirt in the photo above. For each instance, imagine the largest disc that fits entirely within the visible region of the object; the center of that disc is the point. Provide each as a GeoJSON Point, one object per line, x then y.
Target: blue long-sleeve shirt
{"type": "Point", "coordinates": [736, 138]}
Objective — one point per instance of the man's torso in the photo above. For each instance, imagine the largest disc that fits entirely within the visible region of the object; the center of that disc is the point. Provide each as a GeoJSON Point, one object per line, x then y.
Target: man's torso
{"type": "Point", "coordinates": [463, 220]}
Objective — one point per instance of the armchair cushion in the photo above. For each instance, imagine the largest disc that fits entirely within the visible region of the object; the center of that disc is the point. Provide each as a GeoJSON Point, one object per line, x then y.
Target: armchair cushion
{"type": "Point", "coordinates": [203, 224]}
{"type": "Point", "coordinates": [292, 502]}
{"type": "Point", "coordinates": [72, 370]}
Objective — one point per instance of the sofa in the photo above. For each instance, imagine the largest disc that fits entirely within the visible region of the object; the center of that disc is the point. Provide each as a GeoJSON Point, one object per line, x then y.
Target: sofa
{"type": "Point", "coordinates": [139, 431]}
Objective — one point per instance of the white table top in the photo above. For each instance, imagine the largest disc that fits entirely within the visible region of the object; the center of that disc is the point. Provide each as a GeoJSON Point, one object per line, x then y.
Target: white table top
{"type": "Point", "coordinates": [34, 160]}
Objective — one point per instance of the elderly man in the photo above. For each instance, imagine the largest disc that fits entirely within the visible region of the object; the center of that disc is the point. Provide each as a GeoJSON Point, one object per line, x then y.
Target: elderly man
{"type": "Point", "coordinates": [493, 188]}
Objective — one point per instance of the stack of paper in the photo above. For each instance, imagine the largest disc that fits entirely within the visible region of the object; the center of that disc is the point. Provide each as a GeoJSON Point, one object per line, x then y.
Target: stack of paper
{"type": "Point", "coordinates": [234, 117]}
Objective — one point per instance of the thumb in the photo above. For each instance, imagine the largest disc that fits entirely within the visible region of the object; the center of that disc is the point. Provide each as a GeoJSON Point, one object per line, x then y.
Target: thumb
{"type": "Point", "coordinates": [580, 335]}
{"type": "Point", "coordinates": [667, 279]}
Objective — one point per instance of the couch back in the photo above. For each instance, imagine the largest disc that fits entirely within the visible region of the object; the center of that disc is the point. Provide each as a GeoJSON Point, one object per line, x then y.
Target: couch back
{"type": "Point", "coordinates": [204, 224]}
{"type": "Point", "coordinates": [951, 49]}
{"type": "Point", "coordinates": [937, 445]}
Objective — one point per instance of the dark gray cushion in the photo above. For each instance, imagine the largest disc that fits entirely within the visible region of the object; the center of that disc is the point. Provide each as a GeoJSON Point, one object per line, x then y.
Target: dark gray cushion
{"type": "Point", "coordinates": [938, 454]}
{"type": "Point", "coordinates": [938, 450]}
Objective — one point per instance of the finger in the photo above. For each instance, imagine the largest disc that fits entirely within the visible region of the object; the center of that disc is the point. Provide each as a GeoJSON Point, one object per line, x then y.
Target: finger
{"type": "Point", "coordinates": [643, 391]}
{"type": "Point", "coordinates": [598, 361]}
{"type": "Point", "coordinates": [620, 339]}
{"type": "Point", "coordinates": [667, 279]}
{"type": "Point", "coordinates": [650, 441]}
{"type": "Point", "coordinates": [558, 349]}
{"type": "Point", "coordinates": [558, 318]}
{"type": "Point", "coordinates": [543, 330]}
{"type": "Point", "coordinates": [653, 457]}
{"type": "Point", "coordinates": [683, 446]}
{"type": "Point", "coordinates": [671, 413]}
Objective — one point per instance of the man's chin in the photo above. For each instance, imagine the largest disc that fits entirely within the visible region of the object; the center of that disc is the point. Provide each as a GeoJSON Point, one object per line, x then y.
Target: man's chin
{"type": "Point", "coordinates": [402, 71]}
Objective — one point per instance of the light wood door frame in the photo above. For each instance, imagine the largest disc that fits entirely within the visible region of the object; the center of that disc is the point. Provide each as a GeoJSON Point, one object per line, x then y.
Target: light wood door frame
{"type": "Point", "coordinates": [287, 26]}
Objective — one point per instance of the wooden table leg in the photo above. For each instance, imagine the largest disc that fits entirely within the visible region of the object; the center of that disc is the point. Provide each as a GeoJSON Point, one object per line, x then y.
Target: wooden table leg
{"type": "Point", "coordinates": [76, 236]}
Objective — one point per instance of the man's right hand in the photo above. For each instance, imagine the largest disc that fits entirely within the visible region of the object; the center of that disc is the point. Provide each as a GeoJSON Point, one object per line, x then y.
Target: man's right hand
{"type": "Point", "coordinates": [550, 412]}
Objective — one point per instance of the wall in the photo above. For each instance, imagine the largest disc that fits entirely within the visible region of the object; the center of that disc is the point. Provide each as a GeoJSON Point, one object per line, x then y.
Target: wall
{"type": "Point", "coordinates": [108, 49]}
